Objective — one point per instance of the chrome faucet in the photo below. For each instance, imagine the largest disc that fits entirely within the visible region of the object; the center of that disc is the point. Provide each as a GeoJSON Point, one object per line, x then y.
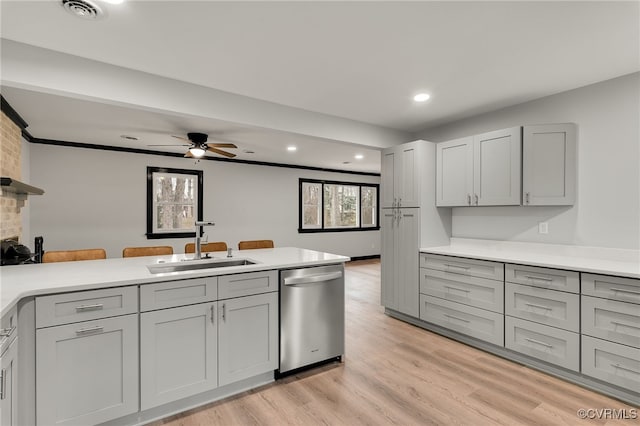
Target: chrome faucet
{"type": "Point", "coordinates": [199, 231]}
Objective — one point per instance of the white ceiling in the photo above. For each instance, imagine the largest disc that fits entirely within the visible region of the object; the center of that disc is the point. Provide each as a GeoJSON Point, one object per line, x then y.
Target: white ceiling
{"type": "Point", "coordinates": [357, 60]}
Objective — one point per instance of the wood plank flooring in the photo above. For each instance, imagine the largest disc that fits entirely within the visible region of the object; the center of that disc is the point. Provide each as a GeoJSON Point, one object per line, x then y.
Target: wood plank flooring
{"type": "Point", "coordinates": [398, 374]}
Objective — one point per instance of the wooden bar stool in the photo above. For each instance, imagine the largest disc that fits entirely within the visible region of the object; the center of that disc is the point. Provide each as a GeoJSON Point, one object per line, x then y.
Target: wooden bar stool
{"type": "Point", "coordinates": [146, 251]}
{"type": "Point", "coordinates": [255, 244]}
{"type": "Point", "coordinates": [216, 246]}
{"type": "Point", "coordinates": [73, 255]}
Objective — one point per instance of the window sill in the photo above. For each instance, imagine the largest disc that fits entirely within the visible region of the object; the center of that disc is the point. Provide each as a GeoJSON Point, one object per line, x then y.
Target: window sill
{"type": "Point", "coordinates": [311, 231]}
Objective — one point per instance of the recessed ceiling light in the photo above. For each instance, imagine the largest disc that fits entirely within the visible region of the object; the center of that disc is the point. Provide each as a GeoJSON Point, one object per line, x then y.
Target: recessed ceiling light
{"type": "Point", "coordinates": [359, 156]}
{"type": "Point", "coordinates": [248, 151]}
{"type": "Point", "coordinates": [131, 138]}
{"type": "Point", "coordinates": [421, 97]}
{"type": "Point", "coordinates": [346, 162]}
{"type": "Point", "coordinates": [291, 148]}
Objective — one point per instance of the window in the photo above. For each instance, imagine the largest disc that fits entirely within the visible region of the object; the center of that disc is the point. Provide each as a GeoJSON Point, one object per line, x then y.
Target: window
{"type": "Point", "coordinates": [174, 202]}
{"type": "Point", "coordinates": [327, 206]}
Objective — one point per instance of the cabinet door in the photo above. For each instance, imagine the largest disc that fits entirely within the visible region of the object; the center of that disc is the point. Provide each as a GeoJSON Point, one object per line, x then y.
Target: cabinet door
{"type": "Point", "coordinates": [8, 379]}
{"type": "Point", "coordinates": [387, 178]}
{"type": "Point", "coordinates": [497, 168]}
{"type": "Point", "coordinates": [178, 353]}
{"type": "Point", "coordinates": [407, 261]}
{"type": "Point", "coordinates": [247, 337]}
{"type": "Point", "coordinates": [454, 172]}
{"type": "Point", "coordinates": [388, 291]}
{"type": "Point", "coordinates": [408, 175]}
{"type": "Point", "coordinates": [87, 373]}
{"type": "Point", "coordinates": [549, 165]}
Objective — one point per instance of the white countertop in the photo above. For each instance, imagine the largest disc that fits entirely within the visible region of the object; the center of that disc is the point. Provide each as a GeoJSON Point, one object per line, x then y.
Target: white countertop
{"type": "Point", "coordinates": [598, 260]}
{"type": "Point", "coordinates": [19, 281]}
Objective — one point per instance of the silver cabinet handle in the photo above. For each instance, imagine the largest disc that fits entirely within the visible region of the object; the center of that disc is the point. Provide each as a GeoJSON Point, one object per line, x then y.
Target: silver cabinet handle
{"type": "Point", "coordinates": [476, 196]}
{"type": "Point", "coordinates": [224, 312]}
{"type": "Point", "coordinates": [399, 202]}
{"type": "Point", "coordinates": [533, 305]}
{"type": "Point", "coordinates": [526, 196]}
{"type": "Point", "coordinates": [620, 290]}
{"type": "Point", "coordinates": [469, 199]}
{"type": "Point", "coordinates": [3, 383]}
{"type": "Point", "coordinates": [6, 332]}
{"type": "Point", "coordinates": [466, 268]}
{"type": "Point", "coordinates": [94, 307]}
{"type": "Point", "coordinates": [538, 342]}
{"type": "Point", "coordinates": [532, 277]}
{"type": "Point", "coordinates": [622, 367]}
{"type": "Point", "coordinates": [213, 321]}
{"type": "Point", "coordinates": [457, 318]}
{"type": "Point", "coordinates": [96, 329]}
{"type": "Point", "coordinates": [625, 325]}
{"type": "Point", "coordinates": [456, 288]}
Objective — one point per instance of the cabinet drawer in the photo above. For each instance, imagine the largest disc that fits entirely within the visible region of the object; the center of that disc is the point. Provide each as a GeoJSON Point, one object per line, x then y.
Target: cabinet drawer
{"type": "Point", "coordinates": [463, 266]}
{"type": "Point", "coordinates": [247, 284]}
{"type": "Point", "coordinates": [611, 362]}
{"type": "Point", "coordinates": [9, 328]}
{"type": "Point", "coordinates": [556, 279]}
{"type": "Point", "coordinates": [478, 323]}
{"type": "Point", "coordinates": [550, 307]}
{"type": "Point", "coordinates": [473, 291]}
{"type": "Point", "coordinates": [178, 293]}
{"type": "Point", "coordinates": [611, 320]}
{"type": "Point", "coordinates": [66, 308]}
{"type": "Point", "coordinates": [616, 288]}
{"type": "Point", "coordinates": [549, 344]}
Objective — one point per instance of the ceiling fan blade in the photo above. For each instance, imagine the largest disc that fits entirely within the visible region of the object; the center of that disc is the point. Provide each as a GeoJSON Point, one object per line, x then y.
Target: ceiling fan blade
{"type": "Point", "coordinates": [189, 154]}
{"type": "Point", "coordinates": [221, 152]}
{"type": "Point", "coordinates": [222, 145]}
{"type": "Point", "coordinates": [180, 137]}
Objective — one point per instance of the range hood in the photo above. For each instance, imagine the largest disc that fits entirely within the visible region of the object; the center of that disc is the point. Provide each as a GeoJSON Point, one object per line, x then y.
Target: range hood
{"type": "Point", "coordinates": [20, 188]}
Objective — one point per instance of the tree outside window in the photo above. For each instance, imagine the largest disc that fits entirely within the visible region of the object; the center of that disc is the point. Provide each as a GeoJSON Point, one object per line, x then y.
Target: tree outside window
{"type": "Point", "coordinates": [174, 202]}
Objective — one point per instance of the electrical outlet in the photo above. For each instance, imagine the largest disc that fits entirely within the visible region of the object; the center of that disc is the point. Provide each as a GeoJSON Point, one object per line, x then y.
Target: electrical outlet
{"type": "Point", "coordinates": [543, 227]}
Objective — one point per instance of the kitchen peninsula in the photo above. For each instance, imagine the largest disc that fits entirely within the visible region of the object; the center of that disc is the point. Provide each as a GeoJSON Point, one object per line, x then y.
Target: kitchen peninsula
{"type": "Point", "coordinates": [104, 341]}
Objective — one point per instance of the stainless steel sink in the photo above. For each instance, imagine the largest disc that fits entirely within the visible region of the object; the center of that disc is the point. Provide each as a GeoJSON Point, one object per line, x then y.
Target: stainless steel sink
{"type": "Point", "coordinates": [191, 265]}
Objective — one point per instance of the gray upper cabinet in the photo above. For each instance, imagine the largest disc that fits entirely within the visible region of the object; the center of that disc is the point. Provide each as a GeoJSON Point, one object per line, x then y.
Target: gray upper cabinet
{"type": "Point", "coordinates": [454, 181]}
{"type": "Point", "coordinates": [401, 175]}
{"type": "Point", "coordinates": [482, 170]}
{"type": "Point", "coordinates": [549, 165]}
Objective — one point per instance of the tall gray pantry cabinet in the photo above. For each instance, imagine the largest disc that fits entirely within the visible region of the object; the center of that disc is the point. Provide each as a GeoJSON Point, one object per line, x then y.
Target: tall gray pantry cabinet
{"type": "Point", "coordinates": [409, 220]}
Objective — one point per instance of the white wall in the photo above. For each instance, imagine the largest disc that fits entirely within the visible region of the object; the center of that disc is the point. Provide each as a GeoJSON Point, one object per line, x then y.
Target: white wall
{"type": "Point", "coordinates": [607, 209]}
{"type": "Point", "coordinates": [97, 198]}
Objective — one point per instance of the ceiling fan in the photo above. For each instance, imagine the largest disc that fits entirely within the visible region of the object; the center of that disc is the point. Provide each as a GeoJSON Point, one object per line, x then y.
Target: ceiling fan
{"type": "Point", "coordinates": [198, 146]}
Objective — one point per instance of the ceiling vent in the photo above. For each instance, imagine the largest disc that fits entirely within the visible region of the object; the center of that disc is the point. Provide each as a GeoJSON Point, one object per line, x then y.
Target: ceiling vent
{"type": "Point", "coordinates": [82, 8]}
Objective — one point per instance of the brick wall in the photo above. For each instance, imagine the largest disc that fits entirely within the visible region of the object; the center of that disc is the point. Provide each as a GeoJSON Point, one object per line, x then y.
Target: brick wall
{"type": "Point", "coordinates": [10, 147]}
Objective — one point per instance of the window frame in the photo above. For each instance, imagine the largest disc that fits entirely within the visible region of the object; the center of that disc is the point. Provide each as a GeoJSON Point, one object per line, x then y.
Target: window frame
{"type": "Point", "coordinates": [150, 201]}
{"type": "Point", "coordinates": [322, 182]}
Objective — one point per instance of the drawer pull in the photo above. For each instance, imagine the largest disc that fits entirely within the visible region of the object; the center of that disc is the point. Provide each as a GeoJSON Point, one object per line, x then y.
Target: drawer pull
{"type": "Point", "coordinates": [538, 342]}
{"type": "Point", "coordinates": [96, 329]}
{"type": "Point", "coordinates": [622, 367]}
{"type": "Point", "coordinates": [457, 318]}
{"type": "Point", "coordinates": [533, 277]}
{"type": "Point", "coordinates": [466, 268]}
{"type": "Point", "coordinates": [625, 325]}
{"type": "Point", "coordinates": [7, 332]}
{"type": "Point", "coordinates": [620, 290]}
{"type": "Point", "coordinates": [94, 307]}
{"type": "Point", "coordinates": [533, 305]}
{"type": "Point", "coordinates": [456, 288]}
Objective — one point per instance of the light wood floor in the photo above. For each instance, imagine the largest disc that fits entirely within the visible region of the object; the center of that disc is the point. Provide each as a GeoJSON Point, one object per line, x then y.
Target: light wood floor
{"type": "Point", "coordinates": [398, 374]}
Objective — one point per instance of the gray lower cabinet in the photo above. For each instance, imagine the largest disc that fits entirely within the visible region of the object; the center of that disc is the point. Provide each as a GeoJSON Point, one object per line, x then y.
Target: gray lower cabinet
{"type": "Point", "coordinates": [611, 362]}
{"type": "Point", "coordinates": [478, 323]}
{"type": "Point", "coordinates": [549, 307]}
{"type": "Point", "coordinates": [247, 337]}
{"type": "Point", "coordinates": [178, 353]}
{"type": "Point", "coordinates": [87, 372]}
{"type": "Point", "coordinates": [611, 320]}
{"type": "Point", "coordinates": [8, 380]}
{"type": "Point", "coordinates": [550, 344]}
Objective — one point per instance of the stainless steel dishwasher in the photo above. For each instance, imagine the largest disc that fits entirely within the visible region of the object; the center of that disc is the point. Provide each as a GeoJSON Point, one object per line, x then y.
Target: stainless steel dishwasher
{"type": "Point", "coordinates": [311, 316]}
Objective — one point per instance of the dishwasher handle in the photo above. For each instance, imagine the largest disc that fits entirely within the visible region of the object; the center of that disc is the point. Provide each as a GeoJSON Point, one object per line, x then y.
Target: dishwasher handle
{"type": "Point", "coordinates": [310, 279]}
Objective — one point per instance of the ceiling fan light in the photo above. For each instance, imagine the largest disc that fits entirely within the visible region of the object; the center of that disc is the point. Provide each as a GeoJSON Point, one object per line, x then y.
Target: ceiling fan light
{"type": "Point", "coordinates": [197, 151]}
